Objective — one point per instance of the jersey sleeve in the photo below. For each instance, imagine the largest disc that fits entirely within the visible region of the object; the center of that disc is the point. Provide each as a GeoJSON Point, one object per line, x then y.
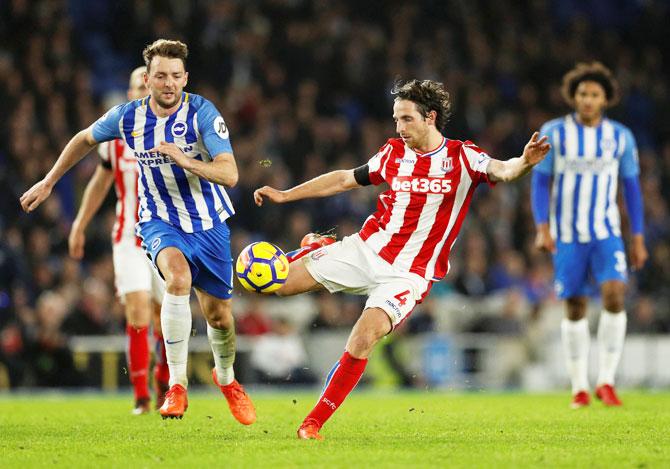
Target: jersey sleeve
{"type": "Point", "coordinates": [213, 130]}
{"type": "Point", "coordinates": [477, 161]}
{"type": "Point", "coordinates": [107, 127]}
{"type": "Point", "coordinates": [630, 164]}
{"type": "Point", "coordinates": [105, 153]}
{"type": "Point", "coordinates": [376, 164]}
{"type": "Point", "coordinates": [546, 166]}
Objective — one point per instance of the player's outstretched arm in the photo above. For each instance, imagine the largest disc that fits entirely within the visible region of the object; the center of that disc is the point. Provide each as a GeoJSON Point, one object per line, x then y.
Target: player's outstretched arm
{"type": "Point", "coordinates": [94, 194]}
{"type": "Point", "coordinates": [321, 186]}
{"type": "Point", "coordinates": [73, 152]}
{"type": "Point", "coordinates": [534, 152]}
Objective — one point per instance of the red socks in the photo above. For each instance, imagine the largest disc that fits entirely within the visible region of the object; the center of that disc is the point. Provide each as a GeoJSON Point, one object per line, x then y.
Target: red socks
{"type": "Point", "coordinates": [341, 379]}
{"type": "Point", "coordinates": [161, 370]}
{"type": "Point", "coordinates": [138, 360]}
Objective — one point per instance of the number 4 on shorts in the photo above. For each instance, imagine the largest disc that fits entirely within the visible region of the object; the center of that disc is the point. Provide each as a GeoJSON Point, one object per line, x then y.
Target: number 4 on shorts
{"type": "Point", "coordinates": [402, 297]}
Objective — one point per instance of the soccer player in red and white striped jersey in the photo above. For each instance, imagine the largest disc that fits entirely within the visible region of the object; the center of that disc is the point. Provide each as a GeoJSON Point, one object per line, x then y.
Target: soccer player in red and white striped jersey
{"type": "Point", "coordinates": [139, 288]}
{"type": "Point", "coordinates": [404, 246]}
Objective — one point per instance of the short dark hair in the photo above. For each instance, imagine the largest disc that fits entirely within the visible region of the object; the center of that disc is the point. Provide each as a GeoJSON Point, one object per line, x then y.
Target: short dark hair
{"type": "Point", "coordinates": [593, 71]}
{"type": "Point", "coordinates": [165, 48]}
{"type": "Point", "coordinates": [428, 95]}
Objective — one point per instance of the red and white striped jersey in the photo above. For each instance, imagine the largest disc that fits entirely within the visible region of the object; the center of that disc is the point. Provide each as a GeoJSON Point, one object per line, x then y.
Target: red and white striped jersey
{"type": "Point", "coordinates": [120, 159]}
{"type": "Point", "coordinates": [419, 217]}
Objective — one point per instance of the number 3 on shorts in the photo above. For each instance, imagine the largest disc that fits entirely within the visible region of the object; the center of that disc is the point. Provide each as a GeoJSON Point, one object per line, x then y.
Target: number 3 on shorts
{"type": "Point", "coordinates": [402, 297]}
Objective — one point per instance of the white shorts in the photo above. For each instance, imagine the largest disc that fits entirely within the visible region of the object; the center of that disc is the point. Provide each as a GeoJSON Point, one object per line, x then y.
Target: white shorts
{"type": "Point", "coordinates": [351, 266]}
{"type": "Point", "coordinates": [133, 272]}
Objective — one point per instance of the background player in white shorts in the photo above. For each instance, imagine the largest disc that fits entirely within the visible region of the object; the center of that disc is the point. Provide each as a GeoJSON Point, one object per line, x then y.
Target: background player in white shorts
{"type": "Point", "coordinates": [404, 247]}
{"type": "Point", "coordinates": [139, 288]}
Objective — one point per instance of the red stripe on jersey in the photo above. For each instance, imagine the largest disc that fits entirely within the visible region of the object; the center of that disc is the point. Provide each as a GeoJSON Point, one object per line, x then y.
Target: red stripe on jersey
{"type": "Point", "coordinates": [441, 220]}
{"type": "Point", "coordinates": [411, 217]}
{"type": "Point", "coordinates": [442, 264]}
{"type": "Point", "coordinates": [120, 187]}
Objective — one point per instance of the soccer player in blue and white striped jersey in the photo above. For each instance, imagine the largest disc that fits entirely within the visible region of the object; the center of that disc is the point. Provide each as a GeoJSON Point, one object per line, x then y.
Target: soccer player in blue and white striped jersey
{"type": "Point", "coordinates": [184, 156]}
{"type": "Point", "coordinates": [577, 219]}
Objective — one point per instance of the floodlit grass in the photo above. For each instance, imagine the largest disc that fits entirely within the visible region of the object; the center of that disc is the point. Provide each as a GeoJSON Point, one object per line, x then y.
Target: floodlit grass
{"type": "Point", "coordinates": [370, 430]}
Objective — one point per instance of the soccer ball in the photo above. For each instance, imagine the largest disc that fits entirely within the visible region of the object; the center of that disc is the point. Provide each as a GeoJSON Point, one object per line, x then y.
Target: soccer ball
{"type": "Point", "coordinates": [262, 267]}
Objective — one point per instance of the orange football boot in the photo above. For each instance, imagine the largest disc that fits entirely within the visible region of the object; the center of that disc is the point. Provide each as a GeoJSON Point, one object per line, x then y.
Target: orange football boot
{"type": "Point", "coordinates": [238, 400]}
{"type": "Point", "coordinates": [309, 430]}
{"type": "Point", "coordinates": [176, 402]}
{"type": "Point", "coordinates": [607, 394]}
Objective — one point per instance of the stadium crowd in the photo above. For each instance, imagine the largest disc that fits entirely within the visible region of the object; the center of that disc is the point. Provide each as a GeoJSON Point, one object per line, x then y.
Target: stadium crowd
{"type": "Point", "coordinates": [304, 87]}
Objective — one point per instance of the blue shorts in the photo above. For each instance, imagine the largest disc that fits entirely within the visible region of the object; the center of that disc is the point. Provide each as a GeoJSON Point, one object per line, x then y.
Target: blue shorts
{"type": "Point", "coordinates": [207, 252]}
{"type": "Point", "coordinates": [579, 266]}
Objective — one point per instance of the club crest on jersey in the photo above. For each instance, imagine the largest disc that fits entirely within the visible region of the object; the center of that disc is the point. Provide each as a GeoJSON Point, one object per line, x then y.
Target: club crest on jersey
{"type": "Point", "coordinates": [179, 129]}
{"type": "Point", "coordinates": [608, 144]}
{"type": "Point", "coordinates": [447, 164]}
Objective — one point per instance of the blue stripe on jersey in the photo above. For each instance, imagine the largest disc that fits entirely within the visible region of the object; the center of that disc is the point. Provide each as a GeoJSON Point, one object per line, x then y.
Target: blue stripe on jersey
{"type": "Point", "coordinates": [159, 182]}
{"type": "Point", "coordinates": [599, 138]}
{"type": "Point", "coordinates": [149, 125]}
{"type": "Point", "coordinates": [128, 126]}
{"type": "Point", "coordinates": [151, 203]}
{"type": "Point", "coordinates": [559, 205]}
{"type": "Point", "coordinates": [607, 205]}
{"type": "Point", "coordinates": [209, 198]}
{"type": "Point", "coordinates": [580, 140]}
{"type": "Point", "coordinates": [592, 207]}
{"type": "Point", "coordinates": [561, 138]}
{"type": "Point", "coordinates": [191, 135]}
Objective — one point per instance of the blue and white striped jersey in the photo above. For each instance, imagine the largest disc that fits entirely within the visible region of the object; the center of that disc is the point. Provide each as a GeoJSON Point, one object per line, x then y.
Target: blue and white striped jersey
{"type": "Point", "coordinates": [586, 163]}
{"type": "Point", "coordinates": [166, 191]}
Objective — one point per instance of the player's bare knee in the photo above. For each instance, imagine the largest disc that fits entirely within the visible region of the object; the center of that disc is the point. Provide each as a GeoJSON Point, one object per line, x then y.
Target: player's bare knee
{"type": "Point", "coordinates": [614, 302]}
{"type": "Point", "coordinates": [220, 315]}
{"type": "Point", "coordinates": [575, 308]}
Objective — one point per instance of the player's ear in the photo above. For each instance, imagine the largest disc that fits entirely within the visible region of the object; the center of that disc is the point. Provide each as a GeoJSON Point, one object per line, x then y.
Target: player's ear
{"type": "Point", "coordinates": [185, 78]}
{"type": "Point", "coordinates": [431, 117]}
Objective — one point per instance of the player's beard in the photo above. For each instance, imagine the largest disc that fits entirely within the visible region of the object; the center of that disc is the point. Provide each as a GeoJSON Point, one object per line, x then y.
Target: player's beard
{"type": "Point", "coordinates": [167, 104]}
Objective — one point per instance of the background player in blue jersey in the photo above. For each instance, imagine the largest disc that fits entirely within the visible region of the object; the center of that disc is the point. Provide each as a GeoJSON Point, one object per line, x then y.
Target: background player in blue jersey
{"type": "Point", "coordinates": [182, 147]}
{"type": "Point", "coordinates": [579, 222]}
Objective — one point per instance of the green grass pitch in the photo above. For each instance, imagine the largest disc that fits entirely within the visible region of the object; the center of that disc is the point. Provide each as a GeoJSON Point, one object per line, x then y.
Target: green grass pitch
{"type": "Point", "coordinates": [419, 429]}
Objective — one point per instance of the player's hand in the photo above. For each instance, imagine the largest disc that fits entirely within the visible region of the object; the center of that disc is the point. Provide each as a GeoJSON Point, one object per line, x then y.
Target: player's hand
{"type": "Point", "coordinates": [34, 196]}
{"type": "Point", "coordinates": [638, 252]}
{"type": "Point", "coordinates": [543, 239]}
{"type": "Point", "coordinates": [270, 193]}
{"type": "Point", "coordinates": [536, 149]}
{"type": "Point", "coordinates": [174, 152]}
{"type": "Point", "coordinates": [76, 242]}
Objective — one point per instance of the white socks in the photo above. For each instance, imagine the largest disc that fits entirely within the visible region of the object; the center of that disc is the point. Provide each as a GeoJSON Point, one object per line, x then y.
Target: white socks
{"type": "Point", "coordinates": [176, 324]}
{"type": "Point", "coordinates": [223, 348]}
{"type": "Point", "coordinates": [611, 334]}
{"type": "Point", "coordinates": [576, 340]}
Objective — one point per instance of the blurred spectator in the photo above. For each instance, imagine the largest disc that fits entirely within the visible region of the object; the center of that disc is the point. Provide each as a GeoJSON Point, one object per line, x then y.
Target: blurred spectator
{"type": "Point", "coordinates": [279, 357]}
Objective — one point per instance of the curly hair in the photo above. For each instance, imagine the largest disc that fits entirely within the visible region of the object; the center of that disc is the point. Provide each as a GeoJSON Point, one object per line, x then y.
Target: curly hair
{"type": "Point", "coordinates": [428, 95]}
{"type": "Point", "coordinates": [165, 48]}
{"type": "Point", "coordinates": [593, 71]}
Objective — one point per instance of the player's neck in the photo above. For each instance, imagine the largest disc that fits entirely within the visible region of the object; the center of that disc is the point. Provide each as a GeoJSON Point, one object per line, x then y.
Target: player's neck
{"type": "Point", "coordinates": [589, 122]}
{"type": "Point", "coordinates": [160, 111]}
{"type": "Point", "coordinates": [432, 141]}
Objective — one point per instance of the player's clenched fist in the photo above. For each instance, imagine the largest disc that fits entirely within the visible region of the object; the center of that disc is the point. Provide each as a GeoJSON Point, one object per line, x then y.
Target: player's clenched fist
{"type": "Point", "coordinates": [34, 196]}
{"type": "Point", "coordinates": [271, 193]}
